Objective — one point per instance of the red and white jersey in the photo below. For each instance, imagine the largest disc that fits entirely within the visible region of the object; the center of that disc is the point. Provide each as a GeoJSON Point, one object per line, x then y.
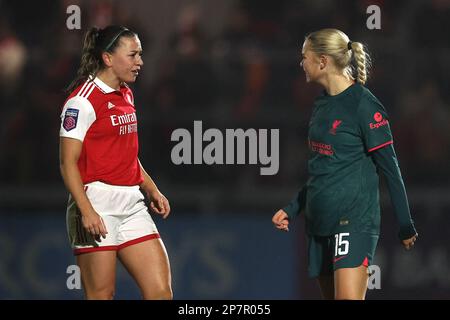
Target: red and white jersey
{"type": "Point", "coordinates": [105, 121]}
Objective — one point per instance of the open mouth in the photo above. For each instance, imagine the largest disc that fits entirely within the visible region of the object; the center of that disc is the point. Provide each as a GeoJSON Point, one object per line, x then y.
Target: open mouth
{"type": "Point", "coordinates": [135, 72]}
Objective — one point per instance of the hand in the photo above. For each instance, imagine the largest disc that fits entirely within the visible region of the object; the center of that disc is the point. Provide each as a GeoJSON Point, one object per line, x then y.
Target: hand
{"type": "Point", "coordinates": [281, 220]}
{"type": "Point", "coordinates": [409, 243]}
{"type": "Point", "coordinates": [159, 203]}
{"type": "Point", "coordinates": [94, 224]}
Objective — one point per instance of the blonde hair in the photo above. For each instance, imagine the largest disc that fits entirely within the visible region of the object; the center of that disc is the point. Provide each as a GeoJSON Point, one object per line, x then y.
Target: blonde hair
{"type": "Point", "coordinates": [347, 55]}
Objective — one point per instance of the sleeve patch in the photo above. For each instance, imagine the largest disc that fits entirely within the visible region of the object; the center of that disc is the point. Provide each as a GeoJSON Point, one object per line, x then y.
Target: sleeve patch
{"type": "Point", "coordinates": [70, 119]}
{"type": "Point", "coordinates": [378, 117]}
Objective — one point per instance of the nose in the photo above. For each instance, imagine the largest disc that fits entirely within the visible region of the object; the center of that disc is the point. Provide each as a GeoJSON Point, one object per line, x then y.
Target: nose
{"type": "Point", "coordinates": [140, 61]}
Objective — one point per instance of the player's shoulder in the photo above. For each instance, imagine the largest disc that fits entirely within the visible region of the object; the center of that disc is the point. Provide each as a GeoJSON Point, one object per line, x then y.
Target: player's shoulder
{"type": "Point", "coordinates": [368, 96]}
{"type": "Point", "coordinates": [367, 100]}
{"type": "Point", "coordinates": [87, 94]}
{"type": "Point", "coordinates": [357, 92]}
{"type": "Point", "coordinates": [351, 98]}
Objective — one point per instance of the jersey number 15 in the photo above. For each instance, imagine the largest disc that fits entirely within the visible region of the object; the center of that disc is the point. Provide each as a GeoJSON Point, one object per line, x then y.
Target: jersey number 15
{"type": "Point", "coordinates": [341, 245]}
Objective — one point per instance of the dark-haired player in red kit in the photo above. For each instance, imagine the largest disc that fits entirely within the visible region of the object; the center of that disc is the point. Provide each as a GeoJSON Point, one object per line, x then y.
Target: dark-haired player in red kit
{"type": "Point", "coordinates": [107, 217]}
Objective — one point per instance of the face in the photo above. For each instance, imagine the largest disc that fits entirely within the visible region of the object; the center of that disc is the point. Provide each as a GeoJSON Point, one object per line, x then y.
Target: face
{"type": "Point", "coordinates": [126, 60]}
{"type": "Point", "coordinates": [311, 63]}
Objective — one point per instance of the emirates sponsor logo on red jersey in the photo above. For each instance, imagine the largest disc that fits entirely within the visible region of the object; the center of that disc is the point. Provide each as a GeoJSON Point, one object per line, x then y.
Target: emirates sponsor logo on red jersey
{"type": "Point", "coordinates": [127, 122]}
{"type": "Point", "coordinates": [125, 118]}
{"type": "Point", "coordinates": [380, 122]}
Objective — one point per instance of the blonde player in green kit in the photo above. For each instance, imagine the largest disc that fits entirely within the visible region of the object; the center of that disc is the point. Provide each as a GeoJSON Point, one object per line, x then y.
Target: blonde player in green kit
{"type": "Point", "coordinates": [350, 141]}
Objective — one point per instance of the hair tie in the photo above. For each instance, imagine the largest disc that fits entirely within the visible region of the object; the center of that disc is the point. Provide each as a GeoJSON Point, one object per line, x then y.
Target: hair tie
{"type": "Point", "coordinates": [349, 45]}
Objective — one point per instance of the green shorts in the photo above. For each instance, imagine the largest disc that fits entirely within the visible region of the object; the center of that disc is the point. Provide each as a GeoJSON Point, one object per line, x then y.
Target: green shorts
{"type": "Point", "coordinates": [342, 250]}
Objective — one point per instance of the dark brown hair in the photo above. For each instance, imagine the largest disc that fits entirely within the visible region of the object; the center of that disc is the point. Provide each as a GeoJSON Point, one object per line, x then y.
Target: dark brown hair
{"type": "Point", "coordinates": [96, 41]}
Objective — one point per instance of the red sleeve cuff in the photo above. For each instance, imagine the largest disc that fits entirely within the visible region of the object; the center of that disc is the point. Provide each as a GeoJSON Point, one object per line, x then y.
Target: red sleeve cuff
{"type": "Point", "coordinates": [381, 146]}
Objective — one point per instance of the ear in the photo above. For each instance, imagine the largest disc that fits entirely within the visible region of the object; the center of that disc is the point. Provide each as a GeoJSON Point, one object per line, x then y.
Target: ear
{"type": "Point", "coordinates": [323, 62]}
{"type": "Point", "coordinates": [107, 59]}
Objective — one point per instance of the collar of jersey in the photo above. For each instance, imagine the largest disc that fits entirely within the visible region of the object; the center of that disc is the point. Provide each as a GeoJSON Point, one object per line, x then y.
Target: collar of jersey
{"type": "Point", "coordinates": [347, 91]}
{"type": "Point", "coordinates": [103, 86]}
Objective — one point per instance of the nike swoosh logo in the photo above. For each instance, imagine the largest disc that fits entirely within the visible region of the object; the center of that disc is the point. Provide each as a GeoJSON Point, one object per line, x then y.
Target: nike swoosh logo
{"type": "Point", "coordinates": [339, 258]}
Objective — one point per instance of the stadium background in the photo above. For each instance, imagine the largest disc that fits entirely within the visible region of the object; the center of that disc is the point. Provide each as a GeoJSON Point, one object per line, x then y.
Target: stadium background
{"type": "Point", "coordinates": [231, 64]}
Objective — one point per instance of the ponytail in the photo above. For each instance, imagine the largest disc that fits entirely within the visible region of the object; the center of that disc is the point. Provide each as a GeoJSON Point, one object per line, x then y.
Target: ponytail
{"type": "Point", "coordinates": [362, 61]}
{"type": "Point", "coordinates": [90, 62]}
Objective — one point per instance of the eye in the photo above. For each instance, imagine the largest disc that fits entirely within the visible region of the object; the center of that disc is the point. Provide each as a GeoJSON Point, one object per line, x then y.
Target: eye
{"type": "Point", "coordinates": [134, 54]}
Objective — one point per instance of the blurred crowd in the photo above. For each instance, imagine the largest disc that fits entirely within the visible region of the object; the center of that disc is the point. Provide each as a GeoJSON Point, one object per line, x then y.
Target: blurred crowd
{"type": "Point", "coordinates": [247, 75]}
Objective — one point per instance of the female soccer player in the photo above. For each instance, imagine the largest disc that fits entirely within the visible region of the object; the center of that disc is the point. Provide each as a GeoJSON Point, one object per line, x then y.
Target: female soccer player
{"type": "Point", "coordinates": [350, 141]}
{"type": "Point", "coordinates": [106, 214]}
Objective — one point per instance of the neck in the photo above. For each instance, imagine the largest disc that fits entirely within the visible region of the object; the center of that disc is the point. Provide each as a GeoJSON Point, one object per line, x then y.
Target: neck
{"type": "Point", "coordinates": [109, 78]}
{"type": "Point", "coordinates": [336, 83]}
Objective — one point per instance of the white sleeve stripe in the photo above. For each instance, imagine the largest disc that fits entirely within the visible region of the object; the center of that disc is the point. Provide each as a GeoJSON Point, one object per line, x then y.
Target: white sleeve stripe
{"type": "Point", "coordinates": [82, 88]}
{"type": "Point", "coordinates": [90, 91]}
{"type": "Point", "coordinates": [86, 90]}
{"type": "Point", "coordinates": [82, 93]}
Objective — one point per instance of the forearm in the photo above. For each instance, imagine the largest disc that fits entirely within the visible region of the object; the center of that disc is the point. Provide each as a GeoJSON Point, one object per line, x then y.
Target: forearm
{"type": "Point", "coordinates": [297, 204]}
{"type": "Point", "coordinates": [72, 180]}
{"type": "Point", "coordinates": [386, 161]}
{"type": "Point", "coordinates": [148, 184]}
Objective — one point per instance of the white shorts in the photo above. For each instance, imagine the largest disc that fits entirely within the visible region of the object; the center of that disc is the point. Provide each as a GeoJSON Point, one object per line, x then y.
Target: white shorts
{"type": "Point", "coordinates": [124, 213]}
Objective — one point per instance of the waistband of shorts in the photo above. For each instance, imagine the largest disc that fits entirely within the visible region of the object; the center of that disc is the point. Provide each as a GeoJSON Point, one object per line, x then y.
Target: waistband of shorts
{"type": "Point", "coordinates": [110, 186]}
